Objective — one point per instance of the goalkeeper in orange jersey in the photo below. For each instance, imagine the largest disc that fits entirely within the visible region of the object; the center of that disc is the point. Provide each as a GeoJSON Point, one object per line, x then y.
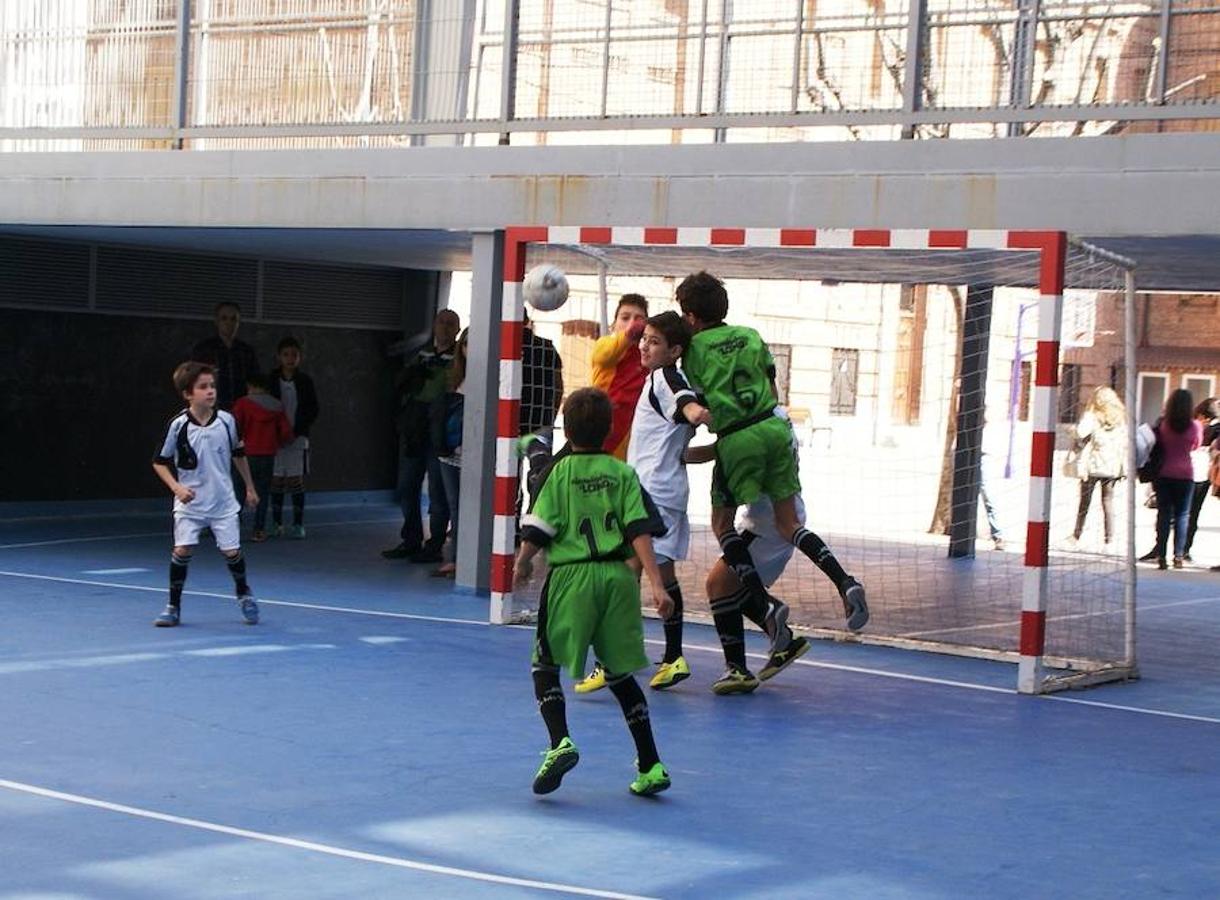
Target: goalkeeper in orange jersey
{"type": "Point", "coordinates": [616, 369]}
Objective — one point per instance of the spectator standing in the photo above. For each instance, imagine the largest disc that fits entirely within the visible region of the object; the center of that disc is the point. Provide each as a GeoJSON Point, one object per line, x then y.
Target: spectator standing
{"type": "Point", "coordinates": [541, 396]}
{"type": "Point", "coordinates": [264, 429]}
{"type": "Point", "coordinates": [1207, 414]}
{"type": "Point", "coordinates": [1178, 434]}
{"type": "Point", "coordinates": [233, 360]}
{"type": "Point", "coordinates": [296, 391]}
{"type": "Point", "coordinates": [447, 414]}
{"type": "Point", "coordinates": [1101, 438]}
{"type": "Point", "coordinates": [422, 381]}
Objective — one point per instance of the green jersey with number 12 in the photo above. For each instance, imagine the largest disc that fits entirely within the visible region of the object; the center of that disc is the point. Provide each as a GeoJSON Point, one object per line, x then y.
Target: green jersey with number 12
{"type": "Point", "coordinates": [590, 508]}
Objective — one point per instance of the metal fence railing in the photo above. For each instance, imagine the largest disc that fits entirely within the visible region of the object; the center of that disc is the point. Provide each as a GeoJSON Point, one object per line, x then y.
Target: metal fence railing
{"type": "Point", "coordinates": [220, 73]}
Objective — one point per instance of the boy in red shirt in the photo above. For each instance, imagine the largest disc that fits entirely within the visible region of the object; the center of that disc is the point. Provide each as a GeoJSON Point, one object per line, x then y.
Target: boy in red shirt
{"type": "Point", "coordinates": [616, 369]}
{"type": "Point", "coordinates": [264, 429]}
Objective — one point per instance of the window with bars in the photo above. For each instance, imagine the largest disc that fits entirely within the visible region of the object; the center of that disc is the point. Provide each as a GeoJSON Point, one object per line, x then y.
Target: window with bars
{"type": "Point", "coordinates": [844, 375]}
{"type": "Point", "coordinates": [1069, 392]}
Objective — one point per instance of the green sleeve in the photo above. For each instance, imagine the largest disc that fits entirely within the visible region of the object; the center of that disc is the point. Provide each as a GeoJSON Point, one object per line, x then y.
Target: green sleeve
{"type": "Point", "coordinates": [542, 523]}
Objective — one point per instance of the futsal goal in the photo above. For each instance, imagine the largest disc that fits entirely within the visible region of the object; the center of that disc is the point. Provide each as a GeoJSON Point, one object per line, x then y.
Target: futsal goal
{"type": "Point", "coordinates": [925, 371]}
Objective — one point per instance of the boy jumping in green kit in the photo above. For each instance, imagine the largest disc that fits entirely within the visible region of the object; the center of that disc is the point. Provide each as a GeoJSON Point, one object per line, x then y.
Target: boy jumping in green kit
{"type": "Point", "coordinates": [733, 368]}
{"type": "Point", "coordinates": [590, 515]}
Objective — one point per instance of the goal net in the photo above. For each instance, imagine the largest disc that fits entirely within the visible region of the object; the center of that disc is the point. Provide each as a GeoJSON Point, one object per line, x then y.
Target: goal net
{"type": "Point", "coordinates": [915, 380]}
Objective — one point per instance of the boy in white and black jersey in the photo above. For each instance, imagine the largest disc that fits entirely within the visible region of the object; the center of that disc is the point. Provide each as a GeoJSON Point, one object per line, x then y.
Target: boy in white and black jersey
{"type": "Point", "coordinates": [664, 422]}
{"type": "Point", "coordinates": [199, 446]}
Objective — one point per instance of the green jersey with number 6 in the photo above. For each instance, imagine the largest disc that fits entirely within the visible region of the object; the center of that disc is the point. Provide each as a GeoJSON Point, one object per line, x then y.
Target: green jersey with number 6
{"type": "Point", "coordinates": [589, 509]}
{"type": "Point", "coordinates": [733, 368]}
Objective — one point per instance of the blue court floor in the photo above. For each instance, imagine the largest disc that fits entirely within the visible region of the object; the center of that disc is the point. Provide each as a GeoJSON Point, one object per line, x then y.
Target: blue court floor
{"type": "Point", "coordinates": [374, 737]}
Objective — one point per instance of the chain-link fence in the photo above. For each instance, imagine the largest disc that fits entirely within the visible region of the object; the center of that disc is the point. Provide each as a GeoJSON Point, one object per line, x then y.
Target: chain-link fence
{"type": "Point", "coordinates": [220, 73]}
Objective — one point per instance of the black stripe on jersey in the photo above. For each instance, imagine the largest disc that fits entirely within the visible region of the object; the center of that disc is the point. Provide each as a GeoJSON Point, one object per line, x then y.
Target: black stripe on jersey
{"type": "Point", "coordinates": [675, 379]}
{"type": "Point", "coordinates": [682, 401]}
{"type": "Point", "coordinates": [652, 525]}
{"type": "Point", "coordinates": [681, 389]}
{"type": "Point", "coordinates": [652, 399]}
{"type": "Point", "coordinates": [536, 536]}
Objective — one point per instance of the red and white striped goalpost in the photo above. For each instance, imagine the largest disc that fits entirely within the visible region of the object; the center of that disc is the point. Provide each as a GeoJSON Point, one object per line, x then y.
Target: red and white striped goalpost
{"type": "Point", "coordinates": [1052, 248]}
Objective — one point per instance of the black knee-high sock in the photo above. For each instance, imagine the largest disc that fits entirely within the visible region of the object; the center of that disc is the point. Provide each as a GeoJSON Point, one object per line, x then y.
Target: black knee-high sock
{"type": "Point", "coordinates": [298, 508]}
{"type": "Point", "coordinates": [751, 611]}
{"type": "Point", "coordinates": [726, 615]}
{"type": "Point", "coordinates": [815, 548]}
{"type": "Point", "coordinates": [673, 625]}
{"type": "Point", "coordinates": [736, 553]}
{"type": "Point", "coordinates": [635, 711]}
{"type": "Point", "coordinates": [551, 703]}
{"type": "Point", "coordinates": [178, 566]}
{"type": "Point", "coordinates": [237, 568]}
{"type": "Point", "coordinates": [277, 507]}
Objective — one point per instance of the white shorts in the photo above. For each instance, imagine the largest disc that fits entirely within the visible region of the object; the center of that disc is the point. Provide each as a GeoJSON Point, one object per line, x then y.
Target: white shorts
{"type": "Point", "coordinates": [771, 556]}
{"type": "Point", "coordinates": [675, 543]}
{"type": "Point", "coordinates": [226, 530]}
{"type": "Point", "coordinates": [292, 461]}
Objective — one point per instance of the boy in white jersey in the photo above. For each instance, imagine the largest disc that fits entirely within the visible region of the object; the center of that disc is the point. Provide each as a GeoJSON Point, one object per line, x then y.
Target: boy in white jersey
{"type": "Point", "coordinates": [200, 445]}
{"type": "Point", "coordinates": [664, 422]}
{"type": "Point", "coordinates": [727, 597]}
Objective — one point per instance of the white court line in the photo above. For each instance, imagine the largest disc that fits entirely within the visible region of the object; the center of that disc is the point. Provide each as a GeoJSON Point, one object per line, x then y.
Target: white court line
{"type": "Point", "coordinates": [1015, 623]}
{"type": "Point", "coordinates": [858, 670]}
{"type": "Point", "coordinates": [165, 532]}
{"type": "Point", "coordinates": [131, 571]}
{"type": "Point", "coordinates": [968, 685]}
{"type": "Point", "coordinates": [327, 849]}
{"type": "Point", "coordinates": [1211, 720]}
{"type": "Point", "coordinates": [84, 540]}
{"type": "Point", "coordinates": [262, 601]}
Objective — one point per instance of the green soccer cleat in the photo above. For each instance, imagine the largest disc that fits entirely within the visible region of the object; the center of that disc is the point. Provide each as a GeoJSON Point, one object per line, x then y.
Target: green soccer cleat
{"type": "Point", "coordinates": [651, 782]}
{"type": "Point", "coordinates": [670, 673]}
{"type": "Point", "coordinates": [735, 681]}
{"type": "Point", "coordinates": [556, 763]}
{"type": "Point", "coordinates": [782, 659]}
{"type": "Point", "coordinates": [594, 681]}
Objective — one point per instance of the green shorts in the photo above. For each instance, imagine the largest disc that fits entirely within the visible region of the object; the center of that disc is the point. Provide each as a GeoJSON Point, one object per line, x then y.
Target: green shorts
{"type": "Point", "coordinates": [593, 604]}
{"type": "Point", "coordinates": [757, 461]}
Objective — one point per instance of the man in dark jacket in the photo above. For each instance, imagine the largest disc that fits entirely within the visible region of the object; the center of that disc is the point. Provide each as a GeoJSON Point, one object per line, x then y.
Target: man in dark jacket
{"type": "Point", "coordinates": [233, 359]}
{"type": "Point", "coordinates": [420, 383]}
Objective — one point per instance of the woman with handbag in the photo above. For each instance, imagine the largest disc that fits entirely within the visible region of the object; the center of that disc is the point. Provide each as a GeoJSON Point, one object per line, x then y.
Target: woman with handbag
{"type": "Point", "coordinates": [1101, 447]}
{"type": "Point", "coordinates": [1178, 434]}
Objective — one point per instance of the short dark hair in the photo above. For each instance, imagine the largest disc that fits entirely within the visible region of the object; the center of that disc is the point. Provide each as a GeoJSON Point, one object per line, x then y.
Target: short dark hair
{"type": "Point", "coordinates": [636, 300]}
{"type": "Point", "coordinates": [188, 373]}
{"type": "Point", "coordinates": [258, 380]}
{"type": "Point", "coordinates": [677, 333]}
{"type": "Point", "coordinates": [586, 417]}
{"type": "Point", "coordinates": [703, 296]}
{"type": "Point", "coordinates": [1209, 408]}
{"type": "Point", "coordinates": [286, 342]}
{"type": "Point", "coordinates": [227, 304]}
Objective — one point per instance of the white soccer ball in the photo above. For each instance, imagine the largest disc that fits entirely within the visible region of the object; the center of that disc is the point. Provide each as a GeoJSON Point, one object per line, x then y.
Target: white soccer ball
{"type": "Point", "coordinates": [545, 287]}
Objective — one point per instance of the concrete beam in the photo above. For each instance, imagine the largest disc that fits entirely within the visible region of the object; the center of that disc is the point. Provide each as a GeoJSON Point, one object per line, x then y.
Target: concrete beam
{"type": "Point", "coordinates": [1143, 184]}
